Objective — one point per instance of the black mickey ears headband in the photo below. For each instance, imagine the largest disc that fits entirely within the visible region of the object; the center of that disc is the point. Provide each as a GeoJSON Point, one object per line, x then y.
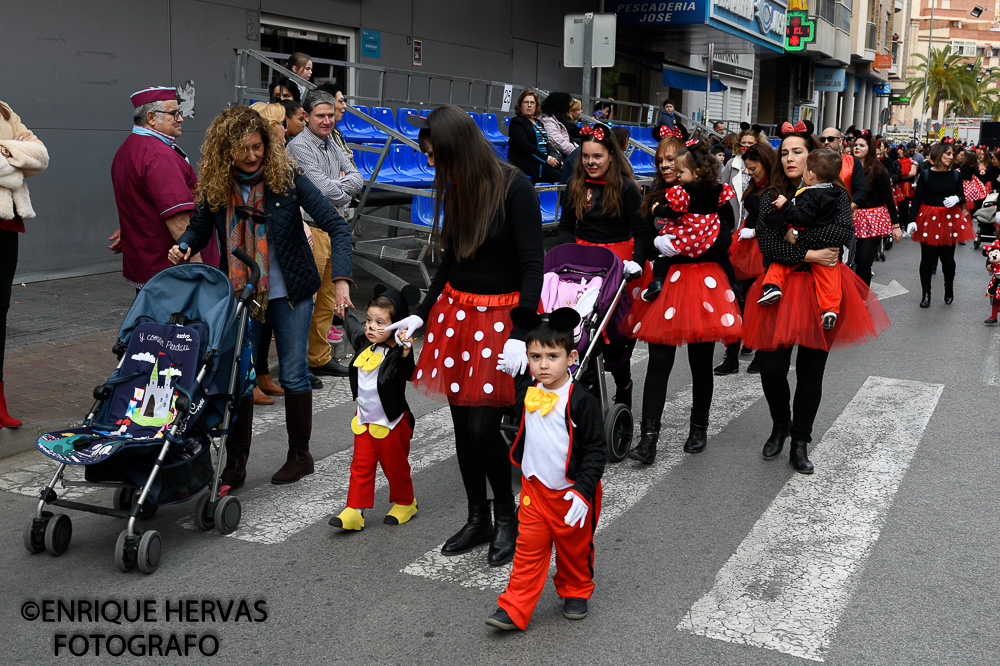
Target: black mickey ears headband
{"type": "Point", "coordinates": [402, 299]}
{"type": "Point", "coordinates": [565, 319]}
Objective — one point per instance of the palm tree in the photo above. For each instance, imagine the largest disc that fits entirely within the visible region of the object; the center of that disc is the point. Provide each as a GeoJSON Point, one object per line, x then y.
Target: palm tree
{"type": "Point", "coordinates": [947, 79]}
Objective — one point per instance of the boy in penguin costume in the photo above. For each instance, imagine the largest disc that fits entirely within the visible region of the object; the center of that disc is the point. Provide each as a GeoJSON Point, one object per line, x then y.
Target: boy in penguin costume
{"type": "Point", "coordinates": [383, 424]}
{"type": "Point", "coordinates": [560, 449]}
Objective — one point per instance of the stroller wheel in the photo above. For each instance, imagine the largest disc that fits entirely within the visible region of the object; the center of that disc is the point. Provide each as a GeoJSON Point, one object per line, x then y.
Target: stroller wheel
{"type": "Point", "coordinates": [509, 425]}
{"type": "Point", "coordinates": [34, 534]}
{"type": "Point", "coordinates": [202, 517]}
{"type": "Point", "coordinates": [124, 552]}
{"type": "Point", "coordinates": [227, 514]}
{"type": "Point", "coordinates": [58, 533]}
{"type": "Point", "coordinates": [618, 432]}
{"type": "Point", "coordinates": [148, 555]}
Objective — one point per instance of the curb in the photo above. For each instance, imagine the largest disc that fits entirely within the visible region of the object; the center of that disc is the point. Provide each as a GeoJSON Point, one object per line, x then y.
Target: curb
{"type": "Point", "coordinates": [19, 440]}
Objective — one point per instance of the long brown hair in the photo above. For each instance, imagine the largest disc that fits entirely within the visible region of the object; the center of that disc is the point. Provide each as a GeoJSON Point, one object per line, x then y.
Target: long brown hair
{"type": "Point", "coordinates": [225, 138]}
{"type": "Point", "coordinates": [779, 181]}
{"type": "Point", "coordinates": [614, 178]}
{"type": "Point", "coordinates": [470, 181]}
{"type": "Point", "coordinates": [656, 192]}
{"type": "Point", "coordinates": [759, 152]}
{"type": "Point", "coordinates": [4, 111]}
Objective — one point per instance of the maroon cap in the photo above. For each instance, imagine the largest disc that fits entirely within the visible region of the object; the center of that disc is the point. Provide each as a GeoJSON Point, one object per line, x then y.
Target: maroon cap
{"type": "Point", "coordinates": [154, 94]}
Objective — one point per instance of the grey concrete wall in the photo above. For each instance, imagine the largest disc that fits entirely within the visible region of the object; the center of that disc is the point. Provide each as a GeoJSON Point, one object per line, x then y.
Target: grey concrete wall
{"type": "Point", "coordinates": [76, 63]}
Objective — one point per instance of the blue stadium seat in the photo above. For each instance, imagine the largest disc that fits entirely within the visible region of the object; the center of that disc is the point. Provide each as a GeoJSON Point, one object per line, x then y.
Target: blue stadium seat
{"type": "Point", "coordinates": [362, 161]}
{"type": "Point", "coordinates": [488, 122]}
{"type": "Point", "coordinates": [405, 128]}
{"type": "Point", "coordinates": [357, 130]}
{"type": "Point", "coordinates": [475, 117]}
{"type": "Point", "coordinates": [422, 211]}
{"type": "Point", "coordinates": [404, 164]}
{"type": "Point", "coordinates": [384, 116]}
{"type": "Point", "coordinates": [424, 166]}
{"type": "Point", "coordinates": [506, 121]}
{"type": "Point", "coordinates": [547, 202]}
{"type": "Point", "coordinates": [645, 135]}
{"type": "Point", "coordinates": [642, 163]}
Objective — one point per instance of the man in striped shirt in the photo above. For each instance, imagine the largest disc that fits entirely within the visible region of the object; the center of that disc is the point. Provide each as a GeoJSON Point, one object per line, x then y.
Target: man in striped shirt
{"type": "Point", "coordinates": [334, 174]}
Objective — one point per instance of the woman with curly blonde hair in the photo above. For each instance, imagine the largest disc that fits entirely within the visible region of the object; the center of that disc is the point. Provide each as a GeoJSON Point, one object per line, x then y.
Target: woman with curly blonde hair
{"type": "Point", "coordinates": [250, 193]}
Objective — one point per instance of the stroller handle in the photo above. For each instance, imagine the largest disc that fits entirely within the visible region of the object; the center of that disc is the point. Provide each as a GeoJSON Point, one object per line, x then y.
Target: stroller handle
{"type": "Point", "coordinates": [251, 284]}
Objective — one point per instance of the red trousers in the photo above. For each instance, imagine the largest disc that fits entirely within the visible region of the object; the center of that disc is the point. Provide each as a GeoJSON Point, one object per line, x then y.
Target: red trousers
{"type": "Point", "coordinates": [540, 524]}
{"type": "Point", "coordinates": [393, 454]}
{"type": "Point", "coordinates": [827, 279]}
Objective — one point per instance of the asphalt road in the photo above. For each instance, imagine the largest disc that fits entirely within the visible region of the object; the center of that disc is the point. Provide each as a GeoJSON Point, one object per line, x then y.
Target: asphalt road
{"type": "Point", "coordinates": [901, 569]}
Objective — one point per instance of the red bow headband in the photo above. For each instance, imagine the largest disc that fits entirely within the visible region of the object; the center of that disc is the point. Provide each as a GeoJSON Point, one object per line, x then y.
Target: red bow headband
{"type": "Point", "coordinates": [596, 132]}
{"type": "Point", "coordinates": [670, 131]}
{"type": "Point", "coordinates": [948, 139]}
{"type": "Point", "coordinates": [865, 133]}
{"type": "Point", "coordinates": [995, 245]}
{"type": "Point", "coordinates": [788, 128]}
{"type": "Point", "coordinates": [693, 143]}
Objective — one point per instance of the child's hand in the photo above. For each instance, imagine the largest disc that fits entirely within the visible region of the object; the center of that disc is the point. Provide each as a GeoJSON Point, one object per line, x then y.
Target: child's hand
{"type": "Point", "coordinates": [406, 340]}
{"type": "Point", "coordinates": [780, 201]}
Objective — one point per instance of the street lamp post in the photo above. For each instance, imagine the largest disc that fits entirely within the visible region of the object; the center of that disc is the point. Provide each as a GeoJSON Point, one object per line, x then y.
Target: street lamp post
{"type": "Point", "coordinates": [927, 69]}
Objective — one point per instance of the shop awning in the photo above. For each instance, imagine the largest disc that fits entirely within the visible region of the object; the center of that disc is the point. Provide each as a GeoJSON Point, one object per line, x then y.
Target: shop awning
{"type": "Point", "coordinates": [689, 81]}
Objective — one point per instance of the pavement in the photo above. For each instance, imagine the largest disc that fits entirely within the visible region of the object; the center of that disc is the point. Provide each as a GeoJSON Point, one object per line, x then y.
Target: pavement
{"type": "Point", "coordinates": [886, 555]}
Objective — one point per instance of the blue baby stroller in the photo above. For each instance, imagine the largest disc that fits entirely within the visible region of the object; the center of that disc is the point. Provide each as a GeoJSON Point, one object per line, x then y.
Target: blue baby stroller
{"type": "Point", "coordinates": [182, 365]}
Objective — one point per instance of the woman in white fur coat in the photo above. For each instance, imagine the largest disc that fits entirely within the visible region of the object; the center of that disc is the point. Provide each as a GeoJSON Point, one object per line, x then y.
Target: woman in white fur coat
{"type": "Point", "coordinates": [22, 155]}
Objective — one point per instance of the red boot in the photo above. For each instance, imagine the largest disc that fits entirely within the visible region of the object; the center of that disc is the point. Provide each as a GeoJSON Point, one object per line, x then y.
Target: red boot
{"type": "Point", "coordinates": [6, 420]}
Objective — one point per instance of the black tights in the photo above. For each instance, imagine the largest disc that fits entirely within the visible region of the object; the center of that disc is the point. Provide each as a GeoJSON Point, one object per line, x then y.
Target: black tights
{"type": "Point", "coordinates": [809, 366]}
{"type": "Point", "coordinates": [929, 255]}
{"type": "Point", "coordinates": [482, 453]}
{"type": "Point", "coordinates": [661, 362]}
{"type": "Point", "coordinates": [8, 263]}
{"type": "Point", "coordinates": [864, 257]}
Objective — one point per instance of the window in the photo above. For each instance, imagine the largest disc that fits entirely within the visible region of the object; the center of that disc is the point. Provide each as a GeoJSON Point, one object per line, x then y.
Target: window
{"type": "Point", "coordinates": [844, 16]}
{"type": "Point", "coordinates": [963, 47]}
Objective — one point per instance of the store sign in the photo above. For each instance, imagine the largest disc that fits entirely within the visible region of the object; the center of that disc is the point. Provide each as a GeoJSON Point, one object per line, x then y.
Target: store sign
{"type": "Point", "coordinates": [882, 61]}
{"type": "Point", "coordinates": [799, 30]}
{"type": "Point", "coordinates": [762, 19]}
{"type": "Point", "coordinates": [690, 12]}
{"type": "Point", "coordinates": [371, 43]}
{"type": "Point", "coordinates": [899, 100]}
{"type": "Point", "coordinates": [734, 64]}
{"type": "Point", "coordinates": [829, 79]}
{"type": "Point", "coordinates": [883, 89]}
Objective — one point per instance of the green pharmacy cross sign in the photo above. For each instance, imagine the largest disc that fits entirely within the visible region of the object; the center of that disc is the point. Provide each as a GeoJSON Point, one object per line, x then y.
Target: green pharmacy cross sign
{"type": "Point", "coordinates": [799, 30]}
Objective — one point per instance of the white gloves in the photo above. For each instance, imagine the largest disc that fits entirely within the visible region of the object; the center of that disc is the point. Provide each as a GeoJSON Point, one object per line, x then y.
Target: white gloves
{"type": "Point", "coordinates": [747, 233]}
{"type": "Point", "coordinates": [666, 248]}
{"type": "Point", "coordinates": [632, 268]}
{"type": "Point", "coordinates": [587, 300]}
{"type": "Point", "coordinates": [408, 324]}
{"type": "Point", "coordinates": [996, 219]}
{"type": "Point", "coordinates": [911, 228]}
{"type": "Point", "coordinates": [513, 359]}
{"type": "Point", "coordinates": [576, 512]}
{"type": "Point", "coordinates": [951, 201]}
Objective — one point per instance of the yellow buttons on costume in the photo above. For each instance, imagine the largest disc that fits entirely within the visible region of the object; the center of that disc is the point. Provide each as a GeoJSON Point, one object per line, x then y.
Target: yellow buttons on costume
{"type": "Point", "coordinates": [368, 360]}
{"type": "Point", "coordinates": [526, 501]}
{"type": "Point", "coordinates": [375, 430]}
{"type": "Point", "coordinates": [537, 398]}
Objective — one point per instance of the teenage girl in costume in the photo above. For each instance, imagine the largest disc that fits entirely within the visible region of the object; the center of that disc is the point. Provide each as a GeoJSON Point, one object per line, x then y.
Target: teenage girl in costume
{"type": "Point", "coordinates": [877, 217]}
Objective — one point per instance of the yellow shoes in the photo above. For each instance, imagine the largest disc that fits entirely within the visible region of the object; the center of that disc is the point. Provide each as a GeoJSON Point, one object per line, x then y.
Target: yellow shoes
{"type": "Point", "coordinates": [349, 519]}
{"type": "Point", "coordinates": [400, 513]}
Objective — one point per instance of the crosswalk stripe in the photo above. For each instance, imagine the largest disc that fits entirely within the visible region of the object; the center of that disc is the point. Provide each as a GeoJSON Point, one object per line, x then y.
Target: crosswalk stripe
{"type": "Point", "coordinates": [791, 579]}
{"type": "Point", "coordinates": [625, 483]}
{"type": "Point", "coordinates": [991, 364]}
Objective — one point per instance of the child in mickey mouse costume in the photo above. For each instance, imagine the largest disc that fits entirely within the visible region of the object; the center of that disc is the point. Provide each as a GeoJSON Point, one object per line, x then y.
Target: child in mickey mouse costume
{"type": "Point", "coordinates": [383, 424]}
{"type": "Point", "coordinates": [560, 450]}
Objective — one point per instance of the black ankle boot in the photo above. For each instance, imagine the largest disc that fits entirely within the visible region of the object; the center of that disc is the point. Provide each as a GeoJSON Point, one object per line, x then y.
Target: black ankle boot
{"type": "Point", "coordinates": [645, 451]}
{"type": "Point", "coordinates": [504, 535]}
{"type": "Point", "coordinates": [477, 530]}
{"type": "Point", "coordinates": [925, 301]}
{"type": "Point", "coordinates": [650, 293]}
{"type": "Point", "coordinates": [697, 435]}
{"type": "Point", "coordinates": [776, 442]}
{"type": "Point", "coordinates": [949, 293]}
{"type": "Point", "coordinates": [798, 458]}
{"type": "Point", "coordinates": [730, 362]}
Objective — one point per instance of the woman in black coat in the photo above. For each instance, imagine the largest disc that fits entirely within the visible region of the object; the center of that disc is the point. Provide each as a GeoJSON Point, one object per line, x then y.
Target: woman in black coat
{"type": "Point", "coordinates": [528, 148]}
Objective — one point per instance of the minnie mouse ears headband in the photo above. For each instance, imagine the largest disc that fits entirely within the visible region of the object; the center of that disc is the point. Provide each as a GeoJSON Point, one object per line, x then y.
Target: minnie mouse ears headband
{"type": "Point", "coordinates": [401, 299]}
{"type": "Point", "coordinates": [995, 245]}
{"type": "Point", "coordinates": [666, 131]}
{"type": "Point", "coordinates": [564, 319]}
{"type": "Point", "coordinates": [598, 131]}
{"type": "Point", "coordinates": [801, 127]}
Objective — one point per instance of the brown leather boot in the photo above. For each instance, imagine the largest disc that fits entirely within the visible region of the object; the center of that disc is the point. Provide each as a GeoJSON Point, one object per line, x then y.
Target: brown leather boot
{"type": "Point", "coordinates": [268, 386]}
{"type": "Point", "coordinates": [298, 423]}
{"type": "Point", "coordinates": [238, 447]}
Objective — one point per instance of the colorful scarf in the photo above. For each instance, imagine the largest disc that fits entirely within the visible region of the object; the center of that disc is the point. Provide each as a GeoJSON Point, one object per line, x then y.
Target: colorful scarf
{"type": "Point", "coordinates": [246, 223]}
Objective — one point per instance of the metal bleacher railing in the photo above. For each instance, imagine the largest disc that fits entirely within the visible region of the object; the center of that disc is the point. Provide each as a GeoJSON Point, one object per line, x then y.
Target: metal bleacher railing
{"type": "Point", "coordinates": [395, 170]}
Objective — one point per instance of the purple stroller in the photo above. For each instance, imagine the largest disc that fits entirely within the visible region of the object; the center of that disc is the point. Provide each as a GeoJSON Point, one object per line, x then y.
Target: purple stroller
{"type": "Point", "coordinates": [572, 263]}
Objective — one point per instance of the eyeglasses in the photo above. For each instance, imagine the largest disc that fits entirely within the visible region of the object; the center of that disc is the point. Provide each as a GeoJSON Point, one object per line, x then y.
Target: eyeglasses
{"type": "Point", "coordinates": [828, 139]}
{"type": "Point", "coordinates": [176, 114]}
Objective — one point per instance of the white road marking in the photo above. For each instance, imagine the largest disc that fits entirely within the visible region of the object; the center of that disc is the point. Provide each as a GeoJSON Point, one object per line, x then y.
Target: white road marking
{"type": "Point", "coordinates": [625, 483]}
{"type": "Point", "coordinates": [991, 364]}
{"type": "Point", "coordinates": [884, 291]}
{"type": "Point", "coordinates": [790, 580]}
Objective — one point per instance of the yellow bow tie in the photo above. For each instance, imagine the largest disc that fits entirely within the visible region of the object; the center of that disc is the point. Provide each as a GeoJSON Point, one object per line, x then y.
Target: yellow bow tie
{"type": "Point", "coordinates": [536, 397]}
{"type": "Point", "coordinates": [368, 360]}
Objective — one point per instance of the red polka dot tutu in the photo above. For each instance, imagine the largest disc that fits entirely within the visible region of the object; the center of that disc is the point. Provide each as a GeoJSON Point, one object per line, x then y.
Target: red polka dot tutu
{"type": "Point", "coordinates": [748, 263]}
{"type": "Point", "coordinates": [937, 225]}
{"type": "Point", "coordinates": [795, 319]}
{"type": "Point", "coordinates": [465, 332]}
{"type": "Point", "coordinates": [872, 222]}
{"type": "Point", "coordinates": [897, 193]}
{"type": "Point", "coordinates": [696, 305]}
{"type": "Point", "coordinates": [974, 190]}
